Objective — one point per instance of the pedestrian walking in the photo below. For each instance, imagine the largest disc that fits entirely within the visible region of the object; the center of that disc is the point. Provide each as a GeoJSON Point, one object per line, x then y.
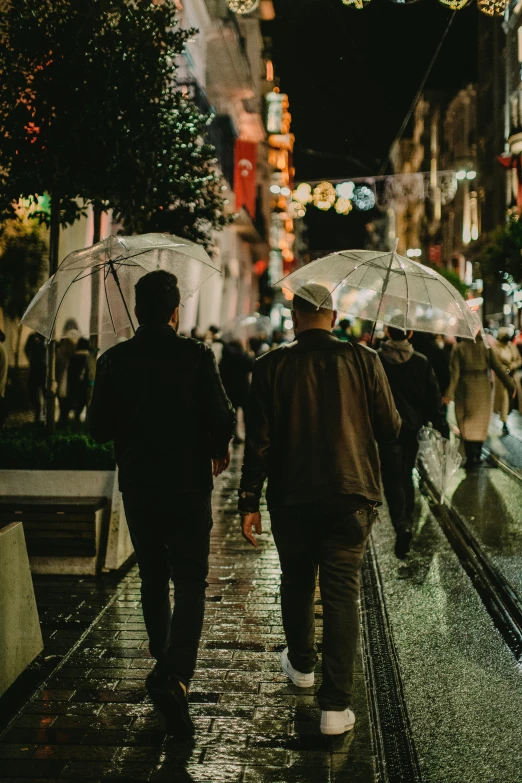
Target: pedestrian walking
{"type": "Point", "coordinates": [236, 367]}
{"type": "Point", "coordinates": [418, 400]}
{"type": "Point", "coordinates": [470, 387]}
{"type": "Point", "coordinates": [36, 352]}
{"type": "Point", "coordinates": [160, 398]}
{"type": "Point", "coordinates": [64, 352]}
{"type": "Point", "coordinates": [343, 331]}
{"type": "Point", "coordinates": [433, 347]}
{"type": "Point", "coordinates": [78, 378]}
{"type": "Point", "coordinates": [510, 360]}
{"type": "Point", "coordinates": [4, 368]}
{"type": "Point", "coordinates": [318, 408]}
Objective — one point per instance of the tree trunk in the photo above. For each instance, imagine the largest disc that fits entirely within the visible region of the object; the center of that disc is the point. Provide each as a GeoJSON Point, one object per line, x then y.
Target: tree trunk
{"type": "Point", "coordinates": [50, 393]}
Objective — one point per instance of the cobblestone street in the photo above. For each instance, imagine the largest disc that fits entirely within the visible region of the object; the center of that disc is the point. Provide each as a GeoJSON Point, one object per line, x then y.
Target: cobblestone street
{"type": "Point", "coordinates": [93, 720]}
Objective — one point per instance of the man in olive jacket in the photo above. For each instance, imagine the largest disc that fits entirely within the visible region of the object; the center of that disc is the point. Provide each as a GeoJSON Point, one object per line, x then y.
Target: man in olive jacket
{"type": "Point", "coordinates": [160, 398]}
{"type": "Point", "coordinates": [318, 408]}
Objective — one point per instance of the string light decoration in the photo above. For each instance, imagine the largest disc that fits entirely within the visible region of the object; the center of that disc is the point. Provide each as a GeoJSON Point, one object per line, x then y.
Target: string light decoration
{"type": "Point", "coordinates": [363, 198]}
{"type": "Point", "coordinates": [242, 7]}
{"type": "Point", "coordinates": [405, 2]}
{"type": "Point", "coordinates": [359, 4]}
{"type": "Point", "coordinates": [324, 196]}
{"type": "Point", "coordinates": [455, 5]}
{"type": "Point", "coordinates": [492, 7]}
{"type": "Point", "coordinates": [343, 206]}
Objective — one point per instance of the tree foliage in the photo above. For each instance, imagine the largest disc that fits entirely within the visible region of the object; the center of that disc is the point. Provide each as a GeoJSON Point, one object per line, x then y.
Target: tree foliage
{"type": "Point", "coordinates": [499, 253]}
{"type": "Point", "coordinates": [89, 110]}
{"type": "Point", "coordinates": [452, 277]}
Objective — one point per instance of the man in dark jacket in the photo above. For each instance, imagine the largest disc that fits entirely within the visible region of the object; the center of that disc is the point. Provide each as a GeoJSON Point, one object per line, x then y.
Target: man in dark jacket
{"type": "Point", "coordinates": [418, 400]}
{"type": "Point", "coordinates": [160, 398]}
{"type": "Point", "coordinates": [317, 408]}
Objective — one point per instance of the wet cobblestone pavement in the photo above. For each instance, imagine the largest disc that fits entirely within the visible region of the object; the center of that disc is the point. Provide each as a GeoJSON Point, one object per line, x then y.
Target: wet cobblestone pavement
{"type": "Point", "coordinates": [92, 720]}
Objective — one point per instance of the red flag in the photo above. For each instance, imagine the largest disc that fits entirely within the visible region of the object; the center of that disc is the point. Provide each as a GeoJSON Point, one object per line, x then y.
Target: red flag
{"type": "Point", "coordinates": [245, 166]}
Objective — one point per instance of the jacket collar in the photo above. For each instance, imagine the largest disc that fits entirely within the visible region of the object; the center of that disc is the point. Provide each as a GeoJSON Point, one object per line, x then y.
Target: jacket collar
{"type": "Point", "coordinates": [316, 336]}
{"type": "Point", "coordinates": [155, 332]}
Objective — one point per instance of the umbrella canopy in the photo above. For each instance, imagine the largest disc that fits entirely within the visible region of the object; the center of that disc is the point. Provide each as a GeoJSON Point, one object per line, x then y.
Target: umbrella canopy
{"type": "Point", "coordinates": [387, 287]}
{"type": "Point", "coordinates": [96, 284]}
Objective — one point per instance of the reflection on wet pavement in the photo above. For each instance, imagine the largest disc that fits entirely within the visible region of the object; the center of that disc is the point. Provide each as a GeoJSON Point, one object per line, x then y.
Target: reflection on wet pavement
{"type": "Point", "coordinates": [462, 686]}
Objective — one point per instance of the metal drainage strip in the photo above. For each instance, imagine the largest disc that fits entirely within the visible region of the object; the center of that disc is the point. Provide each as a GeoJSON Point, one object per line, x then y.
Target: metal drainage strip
{"type": "Point", "coordinates": [397, 760]}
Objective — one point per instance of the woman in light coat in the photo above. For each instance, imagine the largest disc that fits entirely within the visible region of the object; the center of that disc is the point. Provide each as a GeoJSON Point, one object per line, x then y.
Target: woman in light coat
{"type": "Point", "coordinates": [470, 386]}
{"type": "Point", "coordinates": [509, 358]}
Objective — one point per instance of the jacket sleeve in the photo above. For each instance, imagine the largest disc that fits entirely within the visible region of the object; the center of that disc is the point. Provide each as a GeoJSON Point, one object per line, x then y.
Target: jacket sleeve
{"type": "Point", "coordinates": [258, 441]}
{"type": "Point", "coordinates": [454, 374]}
{"type": "Point", "coordinates": [499, 371]}
{"type": "Point", "coordinates": [386, 420]}
{"type": "Point", "coordinates": [434, 410]}
{"type": "Point", "coordinates": [220, 413]}
{"type": "Point", "coordinates": [102, 413]}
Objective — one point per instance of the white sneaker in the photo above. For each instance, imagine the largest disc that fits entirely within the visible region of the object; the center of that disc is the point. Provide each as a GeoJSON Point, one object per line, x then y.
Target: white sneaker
{"type": "Point", "coordinates": [298, 678]}
{"type": "Point", "coordinates": [337, 722]}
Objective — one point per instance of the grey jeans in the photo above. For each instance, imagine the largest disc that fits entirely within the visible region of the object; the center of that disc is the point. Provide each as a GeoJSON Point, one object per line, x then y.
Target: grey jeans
{"type": "Point", "coordinates": [309, 540]}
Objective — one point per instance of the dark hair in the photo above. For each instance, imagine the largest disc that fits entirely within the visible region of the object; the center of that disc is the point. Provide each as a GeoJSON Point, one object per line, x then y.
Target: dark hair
{"type": "Point", "coordinates": [396, 334]}
{"type": "Point", "coordinates": [345, 323]}
{"type": "Point", "coordinates": [82, 344]}
{"type": "Point", "coordinates": [314, 299]}
{"type": "Point", "coordinates": [157, 296]}
{"type": "Point", "coordinates": [213, 329]}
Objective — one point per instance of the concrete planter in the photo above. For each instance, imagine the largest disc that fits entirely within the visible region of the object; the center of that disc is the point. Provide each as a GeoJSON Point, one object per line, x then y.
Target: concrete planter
{"type": "Point", "coordinates": [115, 539]}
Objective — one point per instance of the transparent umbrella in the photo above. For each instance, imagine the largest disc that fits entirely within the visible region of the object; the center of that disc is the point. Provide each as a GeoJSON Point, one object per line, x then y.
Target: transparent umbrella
{"type": "Point", "coordinates": [384, 286]}
{"type": "Point", "coordinates": [440, 457]}
{"type": "Point", "coordinates": [97, 283]}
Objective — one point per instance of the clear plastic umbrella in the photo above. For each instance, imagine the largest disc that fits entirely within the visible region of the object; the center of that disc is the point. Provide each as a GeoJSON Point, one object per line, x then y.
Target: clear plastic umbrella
{"type": "Point", "coordinates": [100, 280]}
{"type": "Point", "coordinates": [440, 457]}
{"type": "Point", "coordinates": [387, 287]}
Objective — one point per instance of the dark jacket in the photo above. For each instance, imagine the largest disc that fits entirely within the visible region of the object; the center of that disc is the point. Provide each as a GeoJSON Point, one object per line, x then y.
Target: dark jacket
{"type": "Point", "coordinates": [160, 398]}
{"type": "Point", "coordinates": [414, 387]}
{"type": "Point", "coordinates": [235, 368]}
{"type": "Point", "coordinates": [317, 408]}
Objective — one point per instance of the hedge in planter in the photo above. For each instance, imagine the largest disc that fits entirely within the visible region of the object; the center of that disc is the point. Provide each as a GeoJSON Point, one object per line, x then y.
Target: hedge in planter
{"type": "Point", "coordinates": [29, 448]}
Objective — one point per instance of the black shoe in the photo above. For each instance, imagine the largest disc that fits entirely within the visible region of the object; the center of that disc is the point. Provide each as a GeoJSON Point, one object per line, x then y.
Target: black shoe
{"type": "Point", "coordinates": [156, 681]}
{"type": "Point", "coordinates": [176, 710]}
{"type": "Point", "coordinates": [402, 543]}
{"type": "Point", "coordinates": [505, 430]}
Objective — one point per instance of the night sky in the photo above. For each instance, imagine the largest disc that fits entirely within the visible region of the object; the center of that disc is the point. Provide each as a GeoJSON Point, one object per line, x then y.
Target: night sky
{"type": "Point", "coordinates": [351, 76]}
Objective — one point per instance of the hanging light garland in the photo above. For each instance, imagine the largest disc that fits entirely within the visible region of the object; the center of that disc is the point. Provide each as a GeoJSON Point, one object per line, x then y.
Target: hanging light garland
{"type": "Point", "coordinates": [324, 196]}
{"type": "Point", "coordinates": [242, 7]}
{"type": "Point", "coordinates": [359, 4]}
{"type": "Point", "coordinates": [492, 7]}
{"type": "Point", "coordinates": [455, 5]}
{"type": "Point", "coordinates": [488, 7]}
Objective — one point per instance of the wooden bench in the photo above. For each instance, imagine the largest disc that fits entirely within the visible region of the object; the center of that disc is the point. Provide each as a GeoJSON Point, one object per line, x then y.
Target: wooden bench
{"type": "Point", "coordinates": [63, 534]}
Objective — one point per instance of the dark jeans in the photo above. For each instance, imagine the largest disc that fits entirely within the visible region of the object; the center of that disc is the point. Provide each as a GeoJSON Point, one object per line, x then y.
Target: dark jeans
{"type": "Point", "coordinates": [397, 464]}
{"type": "Point", "coordinates": [309, 539]}
{"type": "Point", "coordinates": [171, 537]}
{"type": "Point", "coordinates": [473, 450]}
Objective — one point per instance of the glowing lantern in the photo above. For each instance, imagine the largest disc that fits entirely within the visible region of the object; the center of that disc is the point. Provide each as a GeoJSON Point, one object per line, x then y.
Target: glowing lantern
{"type": "Point", "coordinates": [492, 7]}
{"type": "Point", "coordinates": [324, 196]}
{"type": "Point", "coordinates": [242, 6]}
{"type": "Point", "coordinates": [363, 198]}
{"type": "Point", "coordinates": [345, 190]}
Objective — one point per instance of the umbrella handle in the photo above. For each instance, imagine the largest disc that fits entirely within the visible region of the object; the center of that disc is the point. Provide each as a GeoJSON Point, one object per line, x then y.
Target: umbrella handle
{"type": "Point", "coordinates": [117, 281]}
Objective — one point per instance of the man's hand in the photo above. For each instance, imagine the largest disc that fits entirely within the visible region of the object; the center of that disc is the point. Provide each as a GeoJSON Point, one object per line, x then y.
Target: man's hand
{"type": "Point", "coordinates": [249, 523]}
{"type": "Point", "coordinates": [220, 464]}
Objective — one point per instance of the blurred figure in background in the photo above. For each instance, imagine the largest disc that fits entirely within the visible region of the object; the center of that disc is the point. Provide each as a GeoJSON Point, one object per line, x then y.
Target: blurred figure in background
{"type": "Point", "coordinates": [235, 369]}
{"type": "Point", "coordinates": [36, 351]}
{"type": "Point", "coordinates": [470, 387]}
{"type": "Point", "coordinates": [65, 350]}
{"type": "Point", "coordinates": [343, 331]}
{"type": "Point", "coordinates": [509, 358]}
{"type": "Point", "coordinates": [213, 339]}
{"type": "Point", "coordinates": [78, 378]}
{"type": "Point", "coordinates": [417, 397]}
{"type": "Point", "coordinates": [433, 347]}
